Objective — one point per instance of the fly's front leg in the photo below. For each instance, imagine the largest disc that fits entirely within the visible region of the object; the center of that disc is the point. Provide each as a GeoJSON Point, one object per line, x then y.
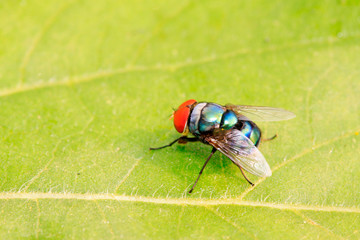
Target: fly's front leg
{"type": "Point", "coordinates": [202, 169]}
{"type": "Point", "coordinates": [182, 139]}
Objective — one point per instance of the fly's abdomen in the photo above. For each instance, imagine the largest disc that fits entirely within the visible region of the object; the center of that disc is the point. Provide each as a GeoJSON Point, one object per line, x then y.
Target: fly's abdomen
{"type": "Point", "coordinates": [228, 120]}
{"type": "Point", "coordinates": [251, 131]}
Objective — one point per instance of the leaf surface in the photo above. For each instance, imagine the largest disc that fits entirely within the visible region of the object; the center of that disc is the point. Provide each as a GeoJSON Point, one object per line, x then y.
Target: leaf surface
{"type": "Point", "coordinates": [87, 87]}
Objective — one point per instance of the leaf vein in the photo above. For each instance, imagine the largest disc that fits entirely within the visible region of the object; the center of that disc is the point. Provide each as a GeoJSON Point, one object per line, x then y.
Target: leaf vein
{"type": "Point", "coordinates": [127, 174]}
{"type": "Point", "coordinates": [51, 20]}
{"type": "Point", "coordinates": [175, 201]}
{"type": "Point", "coordinates": [309, 98]}
{"type": "Point", "coordinates": [37, 219]}
{"type": "Point", "coordinates": [27, 184]}
{"type": "Point", "coordinates": [316, 224]}
{"type": "Point", "coordinates": [87, 77]}
{"type": "Point", "coordinates": [226, 219]}
{"type": "Point", "coordinates": [106, 221]}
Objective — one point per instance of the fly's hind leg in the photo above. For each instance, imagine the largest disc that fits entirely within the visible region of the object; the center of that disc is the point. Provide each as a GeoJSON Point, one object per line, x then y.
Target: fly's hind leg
{"type": "Point", "coordinates": [182, 139]}
{"type": "Point", "coordinates": [269, 139]}
{"type": "Point", "coordinates": [242, 171]}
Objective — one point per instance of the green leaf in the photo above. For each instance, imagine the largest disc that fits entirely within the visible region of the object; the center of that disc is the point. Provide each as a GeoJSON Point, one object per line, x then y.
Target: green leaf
{"type": "Point", "coordinates": [86, 87]}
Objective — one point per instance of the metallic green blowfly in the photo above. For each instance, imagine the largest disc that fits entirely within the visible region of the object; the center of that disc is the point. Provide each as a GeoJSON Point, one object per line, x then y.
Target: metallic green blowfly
{"type": "Point", "coordinates": [227, 129]}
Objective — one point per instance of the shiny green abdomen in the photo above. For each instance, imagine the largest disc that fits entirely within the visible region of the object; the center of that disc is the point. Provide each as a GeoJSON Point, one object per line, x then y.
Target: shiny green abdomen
{"type": "Point", "coordinates": [251, 131]}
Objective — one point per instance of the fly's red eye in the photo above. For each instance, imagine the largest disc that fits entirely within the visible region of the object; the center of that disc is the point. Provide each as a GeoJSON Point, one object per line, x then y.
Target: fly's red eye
{"type": "Point", "coordinates": [181, 115]}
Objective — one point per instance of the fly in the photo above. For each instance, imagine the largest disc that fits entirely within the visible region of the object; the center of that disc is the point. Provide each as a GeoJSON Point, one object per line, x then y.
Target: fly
{"type": "Point", "coordinates": [228, 129]}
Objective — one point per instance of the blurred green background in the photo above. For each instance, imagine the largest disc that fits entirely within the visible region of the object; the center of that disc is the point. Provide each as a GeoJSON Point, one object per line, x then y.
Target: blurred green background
{"type": "Point", "coordinates": [86, 87]}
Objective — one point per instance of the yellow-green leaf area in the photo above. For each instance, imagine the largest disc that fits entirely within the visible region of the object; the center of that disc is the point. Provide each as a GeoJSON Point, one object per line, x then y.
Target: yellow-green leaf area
{"type": "Point", "coordinates": [86, 87]}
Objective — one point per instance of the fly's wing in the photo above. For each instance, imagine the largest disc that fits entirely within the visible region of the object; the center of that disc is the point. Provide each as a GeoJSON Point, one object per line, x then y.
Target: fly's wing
{"type": "Point", "coordinates": [257, 113]}
{"type": "Point", "coordinates": [240, 149]}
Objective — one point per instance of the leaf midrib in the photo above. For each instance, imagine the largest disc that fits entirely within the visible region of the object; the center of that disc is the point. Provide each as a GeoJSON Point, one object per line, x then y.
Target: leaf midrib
{"type": "Point", "coordinates": [174, 201]}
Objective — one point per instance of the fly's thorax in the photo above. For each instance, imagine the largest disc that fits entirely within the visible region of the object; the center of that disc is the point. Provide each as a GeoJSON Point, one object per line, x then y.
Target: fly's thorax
{"type": "Point", "coordinates": [210, 117]}
{"type": "Point", "coordinates": [205, 117]}
{"type": "Point", "coordinates": [194, 118]}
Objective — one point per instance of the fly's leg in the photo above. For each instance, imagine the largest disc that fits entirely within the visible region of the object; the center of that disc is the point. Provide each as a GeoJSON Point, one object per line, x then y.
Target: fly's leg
{"type": "Point", "coordinates": [269, 139]}
{"type": "Point", "coordinates": [182, 139]}
{"type": "Point", "coordinates": [242, 171]}
{"type": "Point", "coordinates": [202, 169]}
{"type": "Point", "coordinates": [168, 145]}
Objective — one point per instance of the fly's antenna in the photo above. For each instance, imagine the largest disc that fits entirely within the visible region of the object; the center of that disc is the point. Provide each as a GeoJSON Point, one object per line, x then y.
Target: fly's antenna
{"type": "Point", "coordinates": [171, 116]}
